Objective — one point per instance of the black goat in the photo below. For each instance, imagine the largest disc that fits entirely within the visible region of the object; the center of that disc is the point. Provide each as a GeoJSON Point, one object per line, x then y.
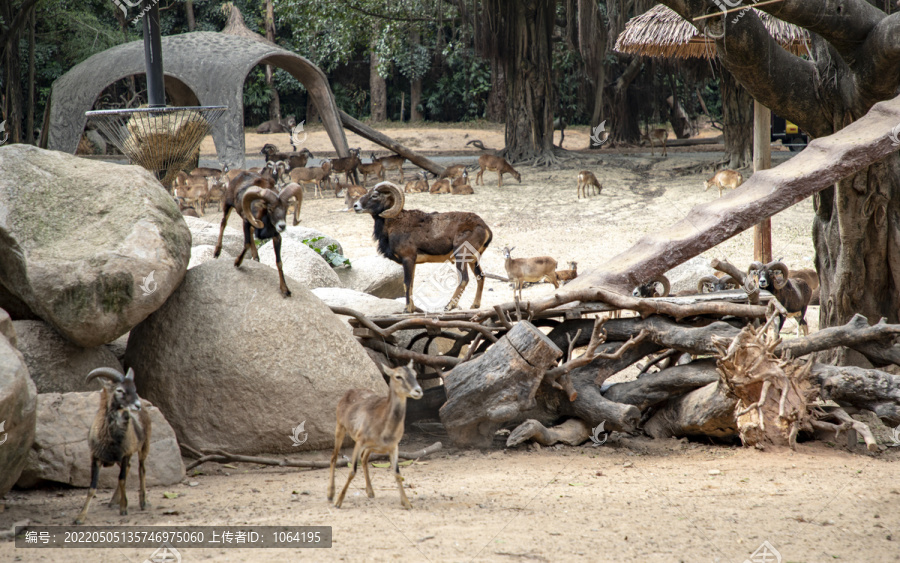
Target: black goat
{"type": "Point", "coordinates": [269, 220]}
{"type": "Point", "coordinates": [657, 287]}
{"type": "Point", "coordinates": [712, 284]}
{"type": "Point", "coordinates": [793, 293]}
{"type": "Point", "coordinates": [410, 237]}
{"type": "Point", "coordinates": [120, 429]}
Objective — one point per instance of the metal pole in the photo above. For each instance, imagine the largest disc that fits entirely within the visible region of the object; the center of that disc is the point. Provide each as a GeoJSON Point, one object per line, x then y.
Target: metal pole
{"type": "Point", "coordinates": [156, 92]}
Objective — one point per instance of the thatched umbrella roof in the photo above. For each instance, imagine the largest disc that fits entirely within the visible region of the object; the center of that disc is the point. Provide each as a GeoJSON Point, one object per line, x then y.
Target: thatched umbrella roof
{"type": "Point", "coordinates": [236, 26]}
{"type": "Point", "coordinates": [660, 32]}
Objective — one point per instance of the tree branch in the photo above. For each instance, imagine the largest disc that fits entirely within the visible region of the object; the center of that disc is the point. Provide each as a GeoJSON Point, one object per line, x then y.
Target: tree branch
{"type": "Point", "coordinates": [879, 61]}
{"type": "Point", "coordinates": [844, 24]}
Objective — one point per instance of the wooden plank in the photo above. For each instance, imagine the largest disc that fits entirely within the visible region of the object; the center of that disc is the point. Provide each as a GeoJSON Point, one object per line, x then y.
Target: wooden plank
{"type": "Point", "coordinates": [762, 160]}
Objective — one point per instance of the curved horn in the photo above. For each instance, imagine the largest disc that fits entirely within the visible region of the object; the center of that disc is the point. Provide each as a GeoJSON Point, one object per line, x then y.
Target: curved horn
{"type": "Point", "coordinates": [727, 280]}
{"type": "Point", "coordinates": [755, 266]}
{"type": "Point", "coordinates": [111, 374]}
{"type": "Point", "coordinates": [785, 272]}
{"type": "Point", "coordinates": [701, 283]}
{"type": "Point", "coordinates": [665, 283]}
{"type": "Point", "coordinates": [291, 190]}
{"type": "Point", "coordinates": [251, 195]}
{"type": "Point", "coordinates": [399, 200]}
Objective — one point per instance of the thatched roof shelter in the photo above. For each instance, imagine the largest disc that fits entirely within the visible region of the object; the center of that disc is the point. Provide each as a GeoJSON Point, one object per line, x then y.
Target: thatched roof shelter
{"type": "Point", "coordinates": [661, 32]}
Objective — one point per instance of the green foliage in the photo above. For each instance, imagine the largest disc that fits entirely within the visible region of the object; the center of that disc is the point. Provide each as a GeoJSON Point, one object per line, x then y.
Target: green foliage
{"type": "Point", "coordinates": [330, 253]}
{"type": "Point", "coordinates": [461, 91]}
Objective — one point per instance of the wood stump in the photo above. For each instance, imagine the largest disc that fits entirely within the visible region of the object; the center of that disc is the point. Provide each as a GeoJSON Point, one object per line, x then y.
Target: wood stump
{"type": "Point", "coordinates": [496, 387]}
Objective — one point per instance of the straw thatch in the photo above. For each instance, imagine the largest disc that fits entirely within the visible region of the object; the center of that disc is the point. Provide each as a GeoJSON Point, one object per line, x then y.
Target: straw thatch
{"type": "Point", "coordinates": [236, 26]}
{"type": "Point", "coordinates": [661, 32]}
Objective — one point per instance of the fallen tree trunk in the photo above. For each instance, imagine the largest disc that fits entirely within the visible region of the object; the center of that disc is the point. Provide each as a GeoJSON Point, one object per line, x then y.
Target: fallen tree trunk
{"type": "Point", "coordinates": [655, 388]}
{"type": "Point", "coordinates": [496, 387]}
{"type": "Point", "coordinates": [364, 130]}
{"type": "Point", "coordinates": [708, 411]}
{"type": "Point", "coordinates": [871, 389]}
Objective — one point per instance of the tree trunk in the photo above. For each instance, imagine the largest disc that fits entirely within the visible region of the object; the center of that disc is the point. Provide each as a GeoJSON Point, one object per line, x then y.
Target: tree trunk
{"type": "Point", "coordinates": [275, 101]}
{"type": "Point", "coordinates": [377, 86]}
{"type": "Point", "coordinates": [592, 38]}
{"type": "Point", "coordinates": [312, 112]}
{"type": "Point", "coordinates": [530, 93]}
{"type": "Point", "coordinates": [623, 108]}
{"type": "Point", "coordinates": [189, 14]}
{"type": "Point", "coordinates": [737, 110]}
{"type": "Point", "coordinates": [29, 112]}
{"type": "Point", "coordinates": [415, 85]}
{"type": "Point", "coordinates": [496, 102]}
{"type": "Point", "coordinates": [13, 91]}
{"type": "Point", "coordinates": [681, 123]}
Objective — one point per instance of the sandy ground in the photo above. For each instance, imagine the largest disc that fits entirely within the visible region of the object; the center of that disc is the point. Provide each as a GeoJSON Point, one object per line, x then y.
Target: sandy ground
{"type": "Point", "coordinates": [632, 499]}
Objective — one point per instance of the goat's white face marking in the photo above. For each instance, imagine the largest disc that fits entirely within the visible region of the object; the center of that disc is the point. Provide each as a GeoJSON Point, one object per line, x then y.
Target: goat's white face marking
{"type": "Point", "coordinates": [281, 225]}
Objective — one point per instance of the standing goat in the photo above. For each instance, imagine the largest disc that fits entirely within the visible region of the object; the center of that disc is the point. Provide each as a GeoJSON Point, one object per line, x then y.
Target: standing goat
{"type": "Point", "coordinates": [294, 159]}
{"type": "Point", "coordinates": [313, 175]}
{"type": "Point", "coordinates": [348, 165]}
{"type": "Point", "coordinates": [194, 190]}
{"type": "Point", "coordinates": [657, 135]}
{"type": "Point", "coordinates": [724, 179]}
{"type": "Point", "coordinates": [793, 293]}
{"type": "Point", "coordinates": [120, 429]}
{"type": "Point", "coordinates": [495, 164]}
{"type": "Point", "coordinates": [587, 179]}
{"type": "Point", "coordinates": [410, 237]}
{"type": "Point", "coordinates": [393, 162]}
{"type": "Point", "coordinates": [374, 168]}
{"type": "Point", "coordinates": [376, 426]}
{"type": "Point", "coordinates": [521, 270]}
{"type": "Point", "coordinates": [269, 220]}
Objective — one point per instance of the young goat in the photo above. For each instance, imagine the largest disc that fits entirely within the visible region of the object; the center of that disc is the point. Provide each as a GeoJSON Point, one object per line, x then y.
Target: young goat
{"type": "Point", "coordinates": [793, 293]}
{"type": "Point", "coordinates": [565, 276]}
{"type": "Point", "coordinates": [393, 162]}
{"type": "Point", "coordinates": [120, 429]}
{"type": "Point", "coordinates": [495, 164]}
{"type": "Point", "coordinates": [418, 186]}
{"type": "Point", "coordinates": [316, 176]}
{"type": "Point", "coordinates": [587, 179]}
{"type": "Point", "coordinates": [348, 165]}
{"type": "Point", "coordinates": [376, 426]}
{"type": "Point", "coordinates": [194, 190]}
{"type": "Point", "coordinates": [440, 186]}
{"type": "Point", "coordinates": [461, 186]}
{"type": "Point", "coordinates": [659, 135]}
{"type": "Point", "coordinates": [374, 168]}
{"type": "Point", "coordinates": [521, 270]}
{"type": "Point", "coordinates": [724, 179]}
{"type": "Point", "coordinates": [352, 193]}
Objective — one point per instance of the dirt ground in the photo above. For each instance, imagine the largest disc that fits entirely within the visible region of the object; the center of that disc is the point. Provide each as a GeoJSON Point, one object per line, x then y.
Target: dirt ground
{"type": "Point", "coordinates": [631, 499]}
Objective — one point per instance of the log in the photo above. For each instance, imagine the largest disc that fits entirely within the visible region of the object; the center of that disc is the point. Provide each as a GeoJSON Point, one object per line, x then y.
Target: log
{"type": "Point", "coordinates": [871, 389]}
{"type": "Point", "coordinates": [655, 388]}
{"type": "Point", "coordinates": [367, 132]}
{"type": "Point", "coordinates": [708, 411]}
{"type": "Point", "coordinates": [488, 391]}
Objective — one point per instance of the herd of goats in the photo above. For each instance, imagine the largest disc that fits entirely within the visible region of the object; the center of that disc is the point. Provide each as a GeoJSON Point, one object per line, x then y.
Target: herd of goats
{"type": "Point", "coordinates": [263, 197]}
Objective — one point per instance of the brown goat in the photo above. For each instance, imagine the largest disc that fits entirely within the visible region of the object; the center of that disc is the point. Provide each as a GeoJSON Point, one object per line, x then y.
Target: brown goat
{"type": "Point", "coordinates": [410, 237]}
{"type": "Point", "coordinates": [374, 168]}
{"type": "Point", "coordinates": [495, 164]}
{"type": "Point", "coordinates": [316, 176]}
{"type": "Point", "coordinates": [393, 162]}
{"type": "Point", "coordinates": [793, 293]}
{"type": "Point", "coordinates": [418, 186]}
{"type": "Point", "coordinates": [564, 276]}
{"type": "Point", "coordinates": [376, 425]}
{"type": "Point", "coordinates": [440, 186]}
{"type": "Point", "coordinates": [587, 179]}
{"type": "Point", "coordinates": [193, 189]}
{"type": "Point", "coordinates": [522, 270]}
{"type": "Point", "coordinates": [453, 172]}
{"type": "Point", "coordinates": [294, 159]}
{"type": "Point", "coordinates": [811, 277]}
{"type": "Point", "coordinates": [347, 165]}
{"type": "Point", "coordinates": [269, 220]}
{"type": "Point", "coordinates": [276, 126]}
{"type": "Point", "coordinates": [352, 193]}
{"type": "Point", "coordinates": [120, 429]}
{"type": "Point", "coordinates": [657, 287]}
{"type": "Point", "coordinates": [660, 135]}
{"type": "Point", "coordinates": [461, 186]}
{"type": "Point", "coordinates": [724, 179]}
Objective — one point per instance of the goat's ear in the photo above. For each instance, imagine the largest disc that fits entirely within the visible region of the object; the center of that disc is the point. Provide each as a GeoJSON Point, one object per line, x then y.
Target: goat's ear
{"type": "Point", "coordinates": [130, 374]}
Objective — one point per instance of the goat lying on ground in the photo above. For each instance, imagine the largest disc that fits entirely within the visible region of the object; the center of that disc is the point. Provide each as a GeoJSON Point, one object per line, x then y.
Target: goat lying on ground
{"type": "Point", "coordinates": [724, 179]}
{"type": "Point", "coordinates": [269, 220]}
{"type": "Point", "coordinates": [410, 237]}
{"type": "Point", "coordinates": [418, 186]}
{"type": "Point", "coordinates": [461, 186]}
{"type": "Point", "coordinates": [352, 193]}
{"type": "Point", "coordinates": [376, 426]}
{"type": "Point", "coordinates": [495, 164]}
{"type": "Point", "coordinates": [276, 126]}
{"type": "Point", "coordinates": [521, 270]}
{"type": "Point", "coordinates": [586, 179]}
{"type": "Point", "coordinates": [120, 429]}
{"type": "Point", "coordinates": [793, 293]}
{"type": "Point", "coordinates": [657, 287]}
{"type": "Point", "coordinates": [712, 284]}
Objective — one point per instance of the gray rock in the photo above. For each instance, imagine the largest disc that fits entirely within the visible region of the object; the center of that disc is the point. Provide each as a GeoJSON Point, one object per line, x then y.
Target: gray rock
{"type": "Point", "coordinates": [82, 237]}
{"type": "Point", "coordinates": [55, 364]}
{"type": "Point", "coordinates": [117, 347]}
{"type": "Point", "coordinates": [18, 310]}
{"type": "Point", "coordinates": [301, 233]}
{"type": "Point", "coordinates": [18, 410]}
{"type": "Point", "coordinates": [61, 454]}
{"type": "Point", "coordinates": [300, 263]}
{"type": "Point", "coordinates": [247, 365]}
{"type": "Point", "coordinates": [204, 253]}
{"type": "Point", "coordinates": [7, 329]}
{"type": "Point", "coordinates": [374, 275]}
{"type": "Point", "coordinates": [205, 233]}
{"type": "Point", "coordinates": [685, 276]}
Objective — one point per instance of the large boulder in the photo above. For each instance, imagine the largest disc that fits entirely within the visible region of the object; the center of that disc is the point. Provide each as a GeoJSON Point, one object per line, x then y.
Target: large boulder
{"type": "Point", "coordinates": [369, 305]}
{"type": "Point", "coordinates": [18, 404]}
{"type": "Point", "coordinates": [204, 253]}
{"type": "Point", "coordinates": [61, 454]}
{"type": "Point", "coordinates": [7, 329]}
{"type": "Point", "coordinates": [205, 233]}
{"type": "Point", "coordinates": [374, 275]}
{"type": "Point", "coordinates": [301, 233]}
{"type": "Point", "coordinates": [234, 365]}
{"type": "Point", "coordinates": [686, 275]}
{"type": "Point", "coordinates": [55, 364]}
{"type": "Point", "coordinates": [17, 309]}
{"type": "Point", "coordinates": [301, 263]}
{"type": "Point", "coordinates": [91, 247]}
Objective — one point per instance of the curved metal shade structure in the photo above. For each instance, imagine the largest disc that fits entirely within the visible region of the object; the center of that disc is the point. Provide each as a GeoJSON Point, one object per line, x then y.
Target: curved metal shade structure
{"type": "Point", "coordinates": [201, 68]}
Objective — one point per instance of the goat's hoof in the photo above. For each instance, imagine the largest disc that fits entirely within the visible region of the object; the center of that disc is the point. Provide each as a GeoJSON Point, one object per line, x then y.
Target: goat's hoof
{"type": "Point", "coordinates": [78, 522]}
{"type": "Point", "coordinates": [370, 494]}
{"type": "Point", "coordinates": [286, 293]}
{"type": "Point", "coordinates": [145, 505]}
{"type": "Point", "coordinates": [123, 512]}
